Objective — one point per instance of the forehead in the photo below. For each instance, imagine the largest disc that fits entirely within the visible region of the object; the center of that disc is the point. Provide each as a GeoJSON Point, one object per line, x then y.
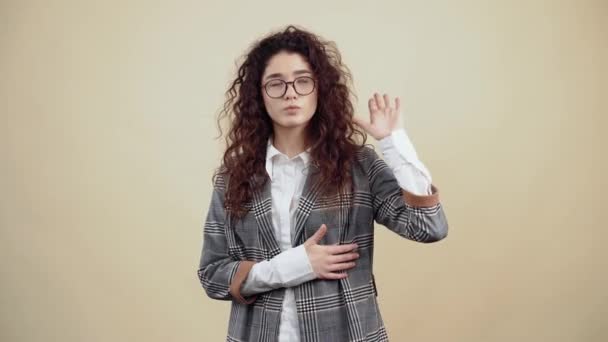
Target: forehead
{"type": "Point", "coordinates": [286, 64]}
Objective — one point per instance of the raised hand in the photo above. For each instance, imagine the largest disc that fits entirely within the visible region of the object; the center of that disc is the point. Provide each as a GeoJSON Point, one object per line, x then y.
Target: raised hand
{"type": "Point", "coordinates": [328, 261]}
{"type": "Point", "coordinates": [383, 117]}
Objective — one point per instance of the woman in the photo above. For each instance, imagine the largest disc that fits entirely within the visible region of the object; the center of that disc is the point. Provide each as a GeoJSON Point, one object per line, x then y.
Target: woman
{"type": "Point", "coordinates": [289, 233]}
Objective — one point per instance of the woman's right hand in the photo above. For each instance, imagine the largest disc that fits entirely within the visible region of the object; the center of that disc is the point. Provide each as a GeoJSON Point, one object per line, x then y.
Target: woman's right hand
{"type": "Point", "coordinates": [328, 261]}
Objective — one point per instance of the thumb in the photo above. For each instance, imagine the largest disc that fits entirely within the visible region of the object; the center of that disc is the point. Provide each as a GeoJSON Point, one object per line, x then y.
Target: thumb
{"type": "Point", "coordinates": [318, 235]}
{"type": "Point", "coordinates": [361, 123]}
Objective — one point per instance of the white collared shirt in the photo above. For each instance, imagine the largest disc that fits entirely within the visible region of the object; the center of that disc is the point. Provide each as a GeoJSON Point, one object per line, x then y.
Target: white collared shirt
{"type": "Point", "coordinates": [292, 266]}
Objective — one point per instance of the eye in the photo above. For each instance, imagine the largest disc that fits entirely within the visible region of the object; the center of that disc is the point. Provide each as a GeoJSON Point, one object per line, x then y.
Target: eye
{"type": "Point", "coordinates": [275, 84]}
{"type": "Point", "coordinates": [304, 81]}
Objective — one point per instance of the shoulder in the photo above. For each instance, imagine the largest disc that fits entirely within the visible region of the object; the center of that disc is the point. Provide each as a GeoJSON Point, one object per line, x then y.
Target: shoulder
{"type": "Point", "coordinates": [367, 156]}
{"type": "Point", "coordinates": [372, 166]}
{"type": "Point", "coordinates": [220, 178]}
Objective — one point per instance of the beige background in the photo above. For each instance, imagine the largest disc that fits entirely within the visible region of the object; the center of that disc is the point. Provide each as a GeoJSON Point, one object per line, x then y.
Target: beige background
{"type": "Point", "coordinates": [107, 154]}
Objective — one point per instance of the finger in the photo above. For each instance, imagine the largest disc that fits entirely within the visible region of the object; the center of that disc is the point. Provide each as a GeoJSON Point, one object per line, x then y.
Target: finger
{"type": "Point", "coordinates": [318, 235]}
{"type": "Point", "coordinates": [397, 104]}
{"type": "Point", "coordinates": [379, 101]}
{"type": "Point", "coordinates": [335, 276]}
{"type": "Point", "coordinates": [343, 266]}
{"type": "Point", "coordinates": [387, 101]}
{"type": "Point", "coordinates": [373, 109]}
{"type": "Point", "coordinates": [394, 118]}
{"type": "Point", "coordinates": [339, 249]}
{"type": "Point", "coordinates": [373, 106]}
{"type": "Point", "coordinates": [335, 259]}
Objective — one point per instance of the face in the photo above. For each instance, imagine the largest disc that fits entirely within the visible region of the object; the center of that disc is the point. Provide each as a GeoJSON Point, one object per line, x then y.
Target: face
{"type": "Point", "coordinates": [287, 67]}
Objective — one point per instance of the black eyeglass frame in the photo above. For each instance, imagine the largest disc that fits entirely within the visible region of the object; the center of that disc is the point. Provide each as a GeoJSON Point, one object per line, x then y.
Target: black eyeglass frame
{"type": "Point", "coordinates": [293, 83]}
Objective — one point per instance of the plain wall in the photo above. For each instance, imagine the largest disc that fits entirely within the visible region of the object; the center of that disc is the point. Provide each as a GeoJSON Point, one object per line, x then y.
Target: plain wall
{"type": "Point", "coordinates": [108, 118]}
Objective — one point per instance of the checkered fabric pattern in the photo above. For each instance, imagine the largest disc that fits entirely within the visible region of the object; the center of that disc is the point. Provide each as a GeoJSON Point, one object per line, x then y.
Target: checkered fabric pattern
{"type": "Point", "coordinates": [328, 310]}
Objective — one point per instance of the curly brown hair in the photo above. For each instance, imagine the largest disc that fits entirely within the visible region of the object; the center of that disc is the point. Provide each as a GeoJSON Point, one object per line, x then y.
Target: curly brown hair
{"type": "Point", "coordinates": [332, 136]}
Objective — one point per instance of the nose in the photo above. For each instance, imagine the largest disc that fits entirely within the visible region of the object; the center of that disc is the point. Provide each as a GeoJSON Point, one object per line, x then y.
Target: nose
{"type": "Point", "coordinates": [291, 91]}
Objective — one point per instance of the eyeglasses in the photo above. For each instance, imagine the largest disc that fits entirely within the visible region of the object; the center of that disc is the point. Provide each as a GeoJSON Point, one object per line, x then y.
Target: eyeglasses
{"type": "Point", "coordinates": [303, 85]}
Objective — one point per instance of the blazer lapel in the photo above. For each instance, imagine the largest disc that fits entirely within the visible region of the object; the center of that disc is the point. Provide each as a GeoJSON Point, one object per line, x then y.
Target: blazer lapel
{"type": "Point", "coordinates": [310, 193]}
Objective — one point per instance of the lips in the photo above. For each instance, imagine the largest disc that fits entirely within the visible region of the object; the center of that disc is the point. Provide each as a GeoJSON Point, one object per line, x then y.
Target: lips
{"type": "Point", "coordinates": [292, 107]}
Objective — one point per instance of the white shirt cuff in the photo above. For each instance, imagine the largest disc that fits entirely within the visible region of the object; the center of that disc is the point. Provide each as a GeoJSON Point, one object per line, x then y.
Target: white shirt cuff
{"type": "Point", "coordinates": [293, 266]}
{"type": "Point", "coordinates": [401, 157]}
{"type": "Point", "coordinates": [290, 268]}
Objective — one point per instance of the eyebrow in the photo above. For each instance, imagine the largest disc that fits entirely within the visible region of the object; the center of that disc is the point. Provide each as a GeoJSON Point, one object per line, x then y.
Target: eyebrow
{"type": "Point", "coordinates": [297, 72]}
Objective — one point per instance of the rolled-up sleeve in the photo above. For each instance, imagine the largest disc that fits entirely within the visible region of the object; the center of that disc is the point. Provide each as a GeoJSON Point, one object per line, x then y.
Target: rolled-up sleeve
{"type": "Point", "coordinates": [415, 217]}
{"type": "Point", "coordinates": [220, 275]}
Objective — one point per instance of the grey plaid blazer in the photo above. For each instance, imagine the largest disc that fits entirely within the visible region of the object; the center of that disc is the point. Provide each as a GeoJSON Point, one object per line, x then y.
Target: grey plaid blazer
{"type": "Point", "coordinates": [328, 310]}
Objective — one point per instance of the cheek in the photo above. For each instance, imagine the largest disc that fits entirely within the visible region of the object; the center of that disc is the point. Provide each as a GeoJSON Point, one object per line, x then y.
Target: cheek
{"type": "Point", "coordinates": [268, 105]}
{"type": "Point", "coordinates": [312, 103]}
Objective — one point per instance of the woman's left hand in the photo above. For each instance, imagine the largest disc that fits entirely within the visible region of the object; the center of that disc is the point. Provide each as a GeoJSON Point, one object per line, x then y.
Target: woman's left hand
{"type": "Point", "coordinates": [383, 117]}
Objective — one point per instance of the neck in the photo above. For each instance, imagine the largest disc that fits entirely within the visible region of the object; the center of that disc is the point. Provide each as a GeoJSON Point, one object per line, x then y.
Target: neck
{"type": "Point", "coordinates": [290, 141]}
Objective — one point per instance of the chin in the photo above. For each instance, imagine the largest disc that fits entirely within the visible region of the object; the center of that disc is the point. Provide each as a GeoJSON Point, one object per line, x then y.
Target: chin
{"type": "Point", "coordinates": [293, 123]}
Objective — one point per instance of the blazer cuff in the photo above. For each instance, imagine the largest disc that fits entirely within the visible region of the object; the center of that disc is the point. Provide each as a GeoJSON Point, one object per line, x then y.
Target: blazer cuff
{"type": "Point", "coordinates": [237, 281]}
{"type": "Point", "coordinates": [421, 200]}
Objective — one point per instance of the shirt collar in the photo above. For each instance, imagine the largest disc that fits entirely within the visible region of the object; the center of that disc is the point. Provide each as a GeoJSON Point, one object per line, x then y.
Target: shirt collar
{"type": "Point", "coordinates": [272, 151]}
